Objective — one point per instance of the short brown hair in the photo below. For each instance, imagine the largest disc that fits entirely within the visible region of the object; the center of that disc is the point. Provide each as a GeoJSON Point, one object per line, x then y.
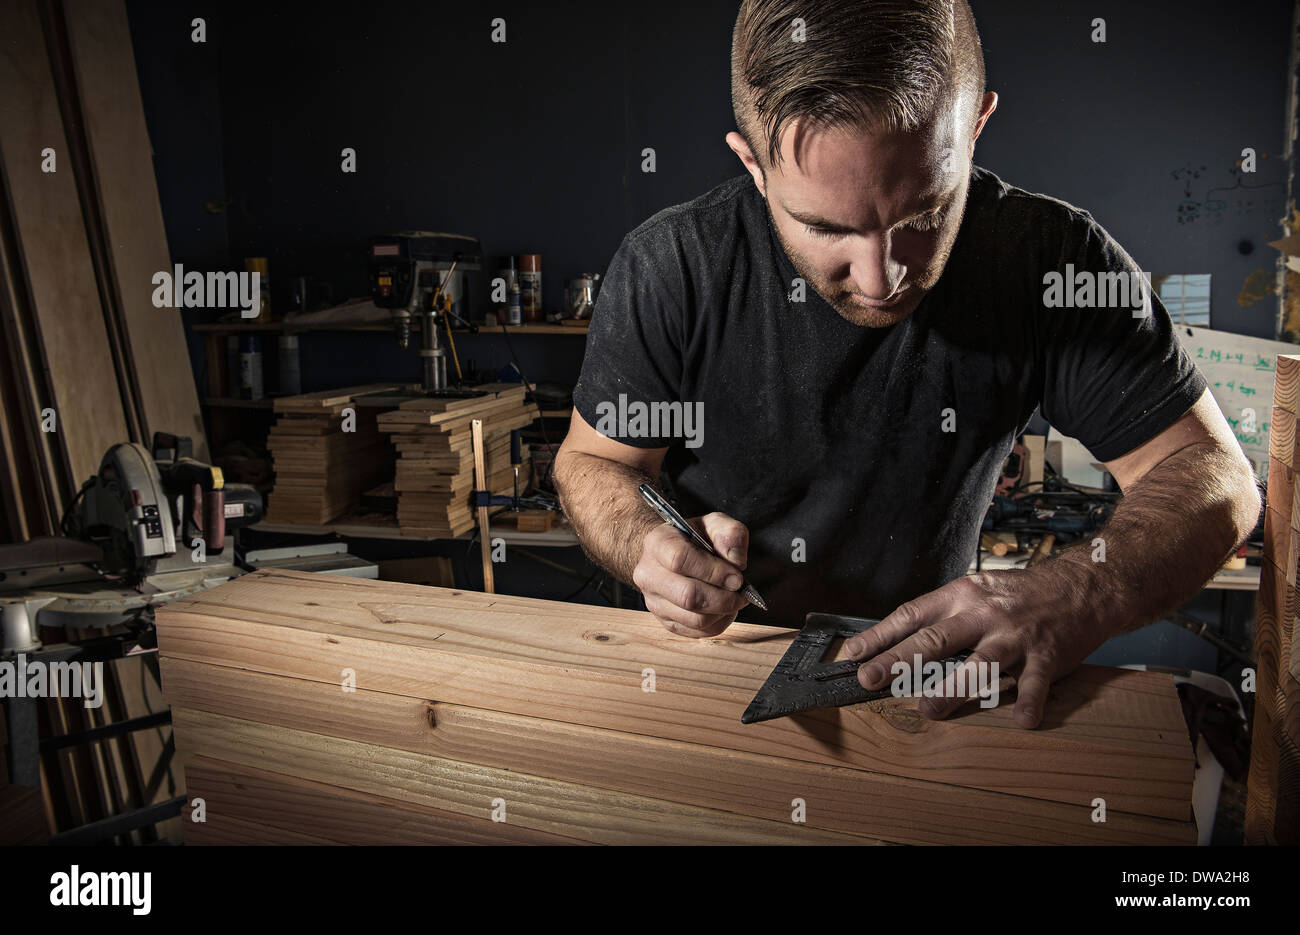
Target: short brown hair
{"type": "Point", "coordinates": [878, 63]}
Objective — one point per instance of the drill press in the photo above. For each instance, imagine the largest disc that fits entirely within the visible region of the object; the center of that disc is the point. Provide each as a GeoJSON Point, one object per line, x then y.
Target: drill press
{"type": "Point", "coordinates": [417, 274]}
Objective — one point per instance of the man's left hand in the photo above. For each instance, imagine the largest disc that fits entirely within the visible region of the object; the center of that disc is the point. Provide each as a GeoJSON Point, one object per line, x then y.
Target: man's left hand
{"type": "Point", "coordinates": [1028, 622]}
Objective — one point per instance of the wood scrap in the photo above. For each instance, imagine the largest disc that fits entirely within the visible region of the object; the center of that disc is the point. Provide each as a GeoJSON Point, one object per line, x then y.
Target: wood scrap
{"type": "Point", "coordinates": [325, 458]}
{"type": "Point", "coordinates": [434, 472]}
{"type": "Point", "coordinates": [463, 697]}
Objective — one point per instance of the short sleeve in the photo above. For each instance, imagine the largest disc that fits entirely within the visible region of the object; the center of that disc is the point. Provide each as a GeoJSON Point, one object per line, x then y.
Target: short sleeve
{"type": "Point", "coordinates": [1114, 373]}
{"type": "Point", "coordinates": [633, 357]}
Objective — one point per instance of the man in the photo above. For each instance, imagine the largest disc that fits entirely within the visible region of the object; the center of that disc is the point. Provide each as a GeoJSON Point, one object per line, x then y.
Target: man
{"type": "Point", "coordinates": [866, 322]}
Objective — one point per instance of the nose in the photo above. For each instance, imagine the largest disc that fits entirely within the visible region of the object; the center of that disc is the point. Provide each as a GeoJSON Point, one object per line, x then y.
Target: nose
{"type": "Point", "coordinates": [873, 269]}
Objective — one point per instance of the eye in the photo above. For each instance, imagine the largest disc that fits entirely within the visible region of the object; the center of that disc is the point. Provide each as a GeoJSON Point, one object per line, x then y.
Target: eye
{"type": "Point", "coordinates": [820, 231]}
{"type": "Point", "coordinates": [926, 222]}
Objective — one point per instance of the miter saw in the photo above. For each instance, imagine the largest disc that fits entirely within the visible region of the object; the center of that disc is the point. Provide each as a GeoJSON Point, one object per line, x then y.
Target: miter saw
{"type": "Point", "coordinates": [148, 528]}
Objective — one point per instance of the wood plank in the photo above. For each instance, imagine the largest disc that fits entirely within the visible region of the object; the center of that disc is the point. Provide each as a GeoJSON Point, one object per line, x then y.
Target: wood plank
{"type": "Point", "coordinates": [340, 816]}
{"type": "Point", "coordinates": [228, 830]}
{"type": "Point", "coordinates": [1273, 784]}
{"type": "Point", "coordinates": [565, 809]}
{"type": "Point", "coordinates": [1106, 732]}
{"type": "Point", "coordinates": [1281, 436]}
{"type": "Point", "coordinates": [328, 400]}
{"type": "Point", "coordinates": [899, 810]}
{"type": "Point", "coordinates": [484, 524]}
{"type": "Point", "coordinates": [122, 162]}
{"type": "Point", "coordinates": [51, 240]}
{"type": "Point", "coordinates": [1286, 385]}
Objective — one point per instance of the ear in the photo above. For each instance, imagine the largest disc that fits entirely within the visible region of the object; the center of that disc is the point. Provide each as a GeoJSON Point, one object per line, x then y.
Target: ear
{"type": "Point", "coordinates": [987, 106]}
{"type": "Point", "coordinates": [741, 149]}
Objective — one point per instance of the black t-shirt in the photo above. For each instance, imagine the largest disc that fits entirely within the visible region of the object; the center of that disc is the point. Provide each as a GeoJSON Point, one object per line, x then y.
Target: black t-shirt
{"type": "Point", "coordinates": [828, 439]}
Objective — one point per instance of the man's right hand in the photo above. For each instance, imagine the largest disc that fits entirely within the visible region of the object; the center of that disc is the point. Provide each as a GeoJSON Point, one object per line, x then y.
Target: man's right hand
{"type": "Point", "coordinates": [692, 592]}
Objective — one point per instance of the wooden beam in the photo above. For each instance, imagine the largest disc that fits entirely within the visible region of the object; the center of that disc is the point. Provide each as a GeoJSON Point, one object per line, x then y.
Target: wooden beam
{"type": "Point", "coordinates": [560, 808]}
{"type": "Point", "coordinates": [229, 830]}
{"type": "Point", "coordinates": [1273, 785]}
{"type": "Point", "coordinates": [901, 810]}
{"type": "Point", "coordinates": [1108, 733]}
{"type": "Point", "coordinates": [332, 814]}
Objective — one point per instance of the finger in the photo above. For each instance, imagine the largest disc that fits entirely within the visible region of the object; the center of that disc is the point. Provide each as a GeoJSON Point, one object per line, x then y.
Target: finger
{"type": "Point", "coordinates": [684, 622]}
{"type": "Point", "coordinates": [679, 556]}
{"type": "Point", "coordinates": [697, 596]}
{"type": "Point", "coordinates": [729, 536]}
{"type": "Point", "coordinates": [932, 643]}
{"type": "Point", "coordinates": [688, 594]}
{"type": "Point", "coordinates": [1032, 686]}
{"type": "Point", "coordinates": [976, 677]}
{"type": "Point", "coordinates": [905, 620]}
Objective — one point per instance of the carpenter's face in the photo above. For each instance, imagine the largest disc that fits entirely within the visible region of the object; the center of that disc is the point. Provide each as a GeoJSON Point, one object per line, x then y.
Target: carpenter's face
{"type": "Point", "coordinates": [869, 218]}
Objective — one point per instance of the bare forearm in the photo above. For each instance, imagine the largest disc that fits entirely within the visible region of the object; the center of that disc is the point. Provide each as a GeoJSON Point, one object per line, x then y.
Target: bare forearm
{"type": "Point", "coordinates": [1170, 533]}
{"type": "Point", "coordinates": [600, 499]}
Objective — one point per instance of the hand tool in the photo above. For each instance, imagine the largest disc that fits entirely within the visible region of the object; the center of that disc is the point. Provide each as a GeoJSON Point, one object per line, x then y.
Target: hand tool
{"type": "Point", "coordinates": [802, 680]}
{"type": "Point", "coordinates": [672, 517]}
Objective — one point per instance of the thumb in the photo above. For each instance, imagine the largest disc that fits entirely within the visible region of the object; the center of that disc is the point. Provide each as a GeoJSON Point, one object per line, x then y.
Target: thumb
{"type": "Point", "coordinates": [728, 535]}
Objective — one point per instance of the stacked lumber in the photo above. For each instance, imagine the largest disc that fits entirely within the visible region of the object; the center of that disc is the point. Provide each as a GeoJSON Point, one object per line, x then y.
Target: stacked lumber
{"type": "Point", "coordinates": [434, 476]}
{"type": "Point", "coordinates": [1273, 787]}
{"type": "Point", "coordinates": [470, 718]}
{"type": "Point", "coordinates": [327, 450]}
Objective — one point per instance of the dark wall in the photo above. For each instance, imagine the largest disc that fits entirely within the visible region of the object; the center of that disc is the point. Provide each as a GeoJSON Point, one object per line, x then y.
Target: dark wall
{"type": "Point", "coordinates": [1145, 131]}
{"type": "Point", "coordinates": [535, 144]}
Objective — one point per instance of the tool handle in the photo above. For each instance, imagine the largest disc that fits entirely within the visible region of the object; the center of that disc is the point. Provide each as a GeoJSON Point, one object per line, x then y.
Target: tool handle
{"type": "Point", "coordinates": [214, 520]}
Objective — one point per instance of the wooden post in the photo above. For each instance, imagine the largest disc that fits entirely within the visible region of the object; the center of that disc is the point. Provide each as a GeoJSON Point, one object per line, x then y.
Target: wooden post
{"type": "Point", "coordinates": [484, 526]}
{"type": "Point", "coordinates": [1273, 789]}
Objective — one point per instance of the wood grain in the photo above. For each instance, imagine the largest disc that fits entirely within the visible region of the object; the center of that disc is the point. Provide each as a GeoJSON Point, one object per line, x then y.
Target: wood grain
{"type": "Point", "coordinates": [122, 161]}
{"type": "Point", "coordinates": [227, 830]}
{"type": "Point", "coordinates": [51, 240]}
{"type": "Point", "coordinates": [564, 809]}
{"type": "Point", "coordinates": [890, 808]}
{"type": "Point", "coordinates": [335, 815]}
{"type": "Point", "coordinates": [1273, 785]}
{"type": "Point", "coordinates": [1111, 733]}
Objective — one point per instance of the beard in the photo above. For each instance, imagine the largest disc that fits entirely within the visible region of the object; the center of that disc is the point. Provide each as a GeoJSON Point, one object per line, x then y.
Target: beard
{"type": "Point", "coordinates": [847, 302]}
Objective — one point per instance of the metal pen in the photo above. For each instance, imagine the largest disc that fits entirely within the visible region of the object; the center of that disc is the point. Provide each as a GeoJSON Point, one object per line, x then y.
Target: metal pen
{"type": "Point", "coordinates": [675, 519]}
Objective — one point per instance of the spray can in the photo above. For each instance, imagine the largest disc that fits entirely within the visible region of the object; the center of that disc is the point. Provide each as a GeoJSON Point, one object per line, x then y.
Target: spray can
{"type": "Point", "coordinates": [514, 315]}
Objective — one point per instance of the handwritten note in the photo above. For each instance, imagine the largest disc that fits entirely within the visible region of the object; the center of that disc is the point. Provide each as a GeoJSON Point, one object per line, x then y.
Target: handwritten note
{"type": "Point", "coordinates": [1240, 371]}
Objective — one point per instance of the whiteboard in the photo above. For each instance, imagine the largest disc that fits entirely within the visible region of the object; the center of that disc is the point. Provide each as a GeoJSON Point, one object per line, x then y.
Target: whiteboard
{"type": "Point", "coordinates": [1240, 371]}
